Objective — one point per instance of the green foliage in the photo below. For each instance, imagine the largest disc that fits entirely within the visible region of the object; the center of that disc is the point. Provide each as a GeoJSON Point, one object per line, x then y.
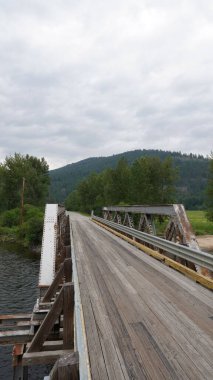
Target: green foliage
{"type": "Point", "coordinates": [190, 185]}
{"type": "Point", "coordinates": [8, 233]}
{"type": "Point", "coordinates": [12, 172]}
{"type": "Point", "coordinates": [35, 173]}
{"type": "Point", "coordinates": [73, 201]}
{"type": "Point", "coordinates": [120, 183]}
{"type": "Point", "coordinates": [31, 212]}
{"type": "Point", "coordinates": [148, 180]}
{"type": "Point", "coordinates": [10, 218]}
{"type": "Point", "coordinates": [153, 180]}
{"type": "Point", "coordinates": [209, 191]}
{"type": "Point", "coordinates": [199, 222]}
{"type": "Point", "coordinates": [29, 232]}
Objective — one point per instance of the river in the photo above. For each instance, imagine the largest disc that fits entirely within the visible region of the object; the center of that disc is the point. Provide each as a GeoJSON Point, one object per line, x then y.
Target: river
{"type": "Point", "coordinates": [18, 292]}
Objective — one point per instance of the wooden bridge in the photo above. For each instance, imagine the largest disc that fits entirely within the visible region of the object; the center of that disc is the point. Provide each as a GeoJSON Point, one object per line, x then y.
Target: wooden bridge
{"type": "Point", "coordinates": [114, 307]}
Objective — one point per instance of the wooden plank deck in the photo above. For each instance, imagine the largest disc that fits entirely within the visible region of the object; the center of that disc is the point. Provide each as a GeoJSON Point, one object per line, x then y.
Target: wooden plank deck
{"type": "Point", "coordinates": [143, 320]}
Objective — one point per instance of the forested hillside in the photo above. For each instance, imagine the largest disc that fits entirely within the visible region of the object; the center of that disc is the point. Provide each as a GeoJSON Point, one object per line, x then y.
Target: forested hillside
{"type": "Point", "coordinates": [149, 180]}
{"type": "Point", "coordinates": [190, 185]}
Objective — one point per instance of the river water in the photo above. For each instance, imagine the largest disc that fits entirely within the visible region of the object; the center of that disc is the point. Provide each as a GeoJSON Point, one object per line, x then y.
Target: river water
{"type": "Point", "coordinates": [18, 292]}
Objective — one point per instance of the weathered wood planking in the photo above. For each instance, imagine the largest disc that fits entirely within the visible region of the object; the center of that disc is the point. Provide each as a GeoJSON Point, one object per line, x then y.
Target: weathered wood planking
{"type": "Point", "coordinates": [13, 337]}
{"type": "Point", "coordinates": [143, 320]}
{"type": "Point", "coordinates": [4, 318]}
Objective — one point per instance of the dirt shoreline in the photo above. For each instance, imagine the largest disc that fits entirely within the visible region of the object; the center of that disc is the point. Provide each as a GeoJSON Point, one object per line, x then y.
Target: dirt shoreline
{"type": "Point", "coordinates": [205, 242]}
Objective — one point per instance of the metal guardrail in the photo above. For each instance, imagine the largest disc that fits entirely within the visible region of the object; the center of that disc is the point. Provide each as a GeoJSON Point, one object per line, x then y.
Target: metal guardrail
{"type": "Point", "coordinates": [197, 257]}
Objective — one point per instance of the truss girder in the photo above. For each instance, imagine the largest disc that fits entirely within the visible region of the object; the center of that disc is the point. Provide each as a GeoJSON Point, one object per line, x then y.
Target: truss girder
{"type": "Point", "coordinates": [177, 230]}
{"type": "Point", "coordinates": [146, 224]}
{"type": "Point", "coordinates": [128, 220]}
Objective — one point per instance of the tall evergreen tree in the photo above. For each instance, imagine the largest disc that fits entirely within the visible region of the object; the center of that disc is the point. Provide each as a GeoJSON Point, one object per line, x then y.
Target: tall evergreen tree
{"type": "Point", "coordinates": [152, 180]}
{"type": "Point", "coordinates": [120, 183]}
{"type": "Point", "coordinates": [209, 191]}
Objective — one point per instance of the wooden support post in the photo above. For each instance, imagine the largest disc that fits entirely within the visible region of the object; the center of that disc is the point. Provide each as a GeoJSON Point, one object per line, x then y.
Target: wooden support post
{"type": "Point", "coordinates": [22, 201]}
{"type": "Point", "coordinates": [68, 251]}
{"type": "Point", "coordinates": [68, 270]}
{"type": "Point", "coordinates": [67, 238]}
{"type": "Point", "coordinates": [20, 373]}
{"type": "Point", "coordinates": [53, 287]}
{"type": "Point", "coordinates": [68, 310]}
{"type": "Point", "coordinates": [47, 324]}
{"type": "Point", "coordinates": [67, 231]}
{"type": "Point", "coordinates": [66, 368]}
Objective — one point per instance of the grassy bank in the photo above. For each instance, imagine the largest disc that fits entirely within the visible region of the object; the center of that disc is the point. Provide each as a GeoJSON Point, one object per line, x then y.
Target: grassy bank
{"type": "Point", "coordinates": [29, 232]}
{"type": "Point", "coordinates": [200, 225]}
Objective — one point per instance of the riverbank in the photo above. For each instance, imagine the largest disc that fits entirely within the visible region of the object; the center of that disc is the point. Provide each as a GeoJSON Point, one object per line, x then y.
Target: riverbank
{"type": "Point", "coordinates": [28, 233]}
{"type": "Point", "coordinates": [205, 242]}
{"type": "Point", "coordinates": [7, 239]}
{"type": "Point", "coordinates": [18, 247]}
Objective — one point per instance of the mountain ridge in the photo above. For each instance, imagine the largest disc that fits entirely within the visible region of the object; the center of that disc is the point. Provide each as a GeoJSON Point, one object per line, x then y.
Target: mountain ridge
{"type": "Point", "coordinates": [193, 172]}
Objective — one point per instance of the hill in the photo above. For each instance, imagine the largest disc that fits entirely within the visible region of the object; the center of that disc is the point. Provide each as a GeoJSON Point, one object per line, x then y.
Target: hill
{"type": "Point", "coordinates": [193, 171]}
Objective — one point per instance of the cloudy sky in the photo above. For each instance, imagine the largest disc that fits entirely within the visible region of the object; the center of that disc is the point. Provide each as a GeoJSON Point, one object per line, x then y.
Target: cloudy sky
{"type": "Point", "coordinates": [82, 78]}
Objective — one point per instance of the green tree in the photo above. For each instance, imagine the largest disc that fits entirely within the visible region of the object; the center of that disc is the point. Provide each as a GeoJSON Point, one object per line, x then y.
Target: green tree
{"type": "Point", "coordinates": [152, 180]}
{"type": "Point", "coordinates": [87, 196]}
{"type": "Point", "coordinates": [169, 176]}
{"type": "Point", "coordinates": [117, 183]}
{"type": "Point", "coordinates": [12, 172]}
{"type": "Point", "coordinates": [209, 191]}
{"type": "Point", "coordinates": [73, 202]}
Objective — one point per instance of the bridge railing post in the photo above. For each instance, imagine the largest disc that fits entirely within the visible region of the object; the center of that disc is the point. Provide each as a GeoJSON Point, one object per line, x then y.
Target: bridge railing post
{"type": "Point", "coordinates": [68, 311]}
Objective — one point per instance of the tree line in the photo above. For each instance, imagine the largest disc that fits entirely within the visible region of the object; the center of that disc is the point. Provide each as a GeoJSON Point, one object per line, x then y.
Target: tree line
{"type": "Point", "coordinates": [24, 185]}
{"type": "Point", "coordinates": [149, 180]}
{"type": "Point", "coordinates": [190, 185]}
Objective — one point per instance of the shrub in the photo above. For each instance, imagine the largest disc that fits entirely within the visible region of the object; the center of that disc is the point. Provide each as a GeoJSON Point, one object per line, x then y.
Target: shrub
{"type": "Point", "coordinates": [10, 218]}
{"type": "Point", "coordinates": [32, 212]}
{"type": "Point", "coordinates": [30, 232]}
{"type": "Point", "coordinates": [35, 230]}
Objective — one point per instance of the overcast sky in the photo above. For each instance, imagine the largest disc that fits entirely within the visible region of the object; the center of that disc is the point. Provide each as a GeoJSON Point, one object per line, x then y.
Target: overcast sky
{"type": "Point", "coordinates": [82, 78]}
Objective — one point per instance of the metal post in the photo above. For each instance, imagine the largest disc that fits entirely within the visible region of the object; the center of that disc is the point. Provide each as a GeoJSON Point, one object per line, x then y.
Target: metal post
{"type": "Point", "coordinates": [22, 200]}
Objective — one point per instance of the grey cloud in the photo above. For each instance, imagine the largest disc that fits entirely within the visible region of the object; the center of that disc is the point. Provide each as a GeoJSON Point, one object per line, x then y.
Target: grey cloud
{"type": "Point", "coordinates": [79, 81]}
